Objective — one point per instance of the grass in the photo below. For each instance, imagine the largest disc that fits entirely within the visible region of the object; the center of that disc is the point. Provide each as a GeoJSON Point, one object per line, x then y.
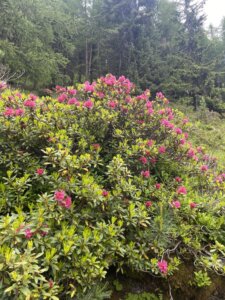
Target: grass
{"type": "Point", "coordinates": [208, 130]}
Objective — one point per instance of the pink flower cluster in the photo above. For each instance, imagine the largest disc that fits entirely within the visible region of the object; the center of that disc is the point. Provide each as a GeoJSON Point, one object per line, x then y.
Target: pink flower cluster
{"type": "Point", "coordinates": [10, 112]}
{"type": "Point", "coordinates": [220, 178]}
{"type": "Point", "coordinates": [158, 186]}
{"type": "Point", "coordinates": [30, 102]}
{"type": "Point", "coordinates": [204, 168]}
{"type": "Point", "coordinates": [167, 124]}
{"type": "Point", "coordinates": [62, 199]}
{"type": "Point", "coordinates": [181, 190]}
{"type": "Point", "coordinates": [193, 205]}
{"type": "Point", "coordinates": [72, 92]}
{"type": "Point", "coordinates": [112, 104]}
{"type": "Point", "coordinates": [148, 204]}
{"type": "Point", "coordinates": [176, 204]}
{"type": "Point", "coordinates": [145, 174]}
{"type": "Point", "coordinates": [105, 193]}
{"type": "Point", "coordinates": [62, 98]}
{"type": "Point", "coordinates": [121, 85]}
{"type": "Point", "coordinates": [89, 88]}
{"type": "Point", "coordinates": [160, 95]}
{"type": "Point", "coordinates": [143, 160]}
{"type": "Point", "coordinates": [163, 266]}
{"type": "Point", "coordinates": [40, 172]}
{"type": "Point", "coordinates": [88, 104]}
{"type": "Point", "coordinates": [28, 233]}
{"type": "Point", "coordinates": [145, 96]}
{"type": "Point", "coordinates": [162, 149]}
{"type": "Point", "coordinates": [74, 101]}
{"type": "Point", "coordinates": [60, 89]}
{"type": "Point", "coordinates": [3, 85]}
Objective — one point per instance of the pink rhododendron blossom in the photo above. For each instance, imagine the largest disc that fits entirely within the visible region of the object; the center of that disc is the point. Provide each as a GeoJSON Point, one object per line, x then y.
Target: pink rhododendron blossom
{"type": "Point", "coordinates": [88, 104]}
{"type": "Point", "coordinates": [19, 112]}
{"type": "Point", "coordinates": [72, 92]}
{"type": "Point", "coordinates": [185, 121]}
{"type": "Point", "coordinates": [176, 204]}
{"type": "Point", "coordinates": [162, 111]}
{"type": "Point", "coordinates": [164, 122]}
{"type": "Point", "coordinates": [195, 157]}
{"type": "Point", "coordinates": [9, 112]}
{"type": "Point", "coordinates": [96, 146]}
{"type": "Point", "coordinates": [160, 95]}
{"type": "Point", "coordinates": [169, 110]}
{"type": "Point", "coordinates": [178, 179]}
{"type": "Point", "coordinates": [167, 124]}
{"type": "Point", "coordinates": [163, 266]}
{"type": "Point", "coordinates": [72, 101]}
{"type": "Point", "coordinates": [158, 186]}
{"type": "Point", "coordinates": [122, 78]}
{"type": "Point", "coordinates": [112, 104]}
{"type": "Point", "coordinates": [28, 234]}
{"type": "Point", "coordinates": [182, 141]}
{"type": "Point", "coordinates": [40, 171]}
{"type": "Point", "coordinates": [60, 89]}
{"type": "Point", "coordinates": [128, 100]}
{"type": "Point", "coordinates": [191, 153]}
{"type": "Point", "coordinates": [3, 85]}
{"type": "Point", "coordinates": [145, 174]}
{"type": "Point", "coordinates": [67, 202]}
{"type": "Point", "coordinates": [32, 97]}
{"type": "Point", "coordinates": [150, 111]}
{"type": "Point", "coordinates": [29, 103]}
{"type": "Point", "coordinates": [101, 95]}
{"type": "Point", "coordinates": [144, 96]}
{"type": "Point", "coordinates": [148, 204]}
{"type": "Point", "coordinates": [150, 143]}
{"type": "Point", "coordinates": [204, 168]}
{"type": "Point", "coordinates": [63, 199]}
{"type": "Point", "coordinates": [143, 160]}
{"type": "Point", "coordinates": [193, 205]}
{"type": "Point", "coordinates": [162, 149]}
{"type": "Point", "coordinates": [178, 131]}
{"type": "Point", "coordinates": [18, 95]}
{"type": "Point", "coordinates": [105, 193]}
{"type": "Point", "coordinates": [62, 98]}
{"type": "Point", "coordinates": [89, 88]}
{"type": "Point", "coordinates": [148, 104]}
{"type": "Point", "coordinates": [182, 190]}
{"type": "Point", "coordinates": [219, 179]}
{"type": "Point", "coordinates": [110, 80]}
{"type": "Point", "coordinates": [170, 117]}
{"type": "Point", "coordinates": [59, 195]}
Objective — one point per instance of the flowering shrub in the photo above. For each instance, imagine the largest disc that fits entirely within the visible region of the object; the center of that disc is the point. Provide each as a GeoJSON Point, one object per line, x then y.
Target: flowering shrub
{"type": "Point", "coordinates": [98, 177]}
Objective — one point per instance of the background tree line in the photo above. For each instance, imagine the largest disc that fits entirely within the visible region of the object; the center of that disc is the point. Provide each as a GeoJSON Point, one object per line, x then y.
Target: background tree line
{"type": "Point", "coordinates": [159, 44]}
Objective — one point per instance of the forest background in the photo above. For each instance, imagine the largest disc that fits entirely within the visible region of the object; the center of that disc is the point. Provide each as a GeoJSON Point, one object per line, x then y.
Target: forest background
{"type": "Point", "coordinates": [159, 44]}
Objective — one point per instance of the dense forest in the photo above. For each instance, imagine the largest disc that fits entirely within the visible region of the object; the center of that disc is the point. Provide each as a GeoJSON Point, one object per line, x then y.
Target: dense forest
{"type": "Point", "coordinates": [158, 44]}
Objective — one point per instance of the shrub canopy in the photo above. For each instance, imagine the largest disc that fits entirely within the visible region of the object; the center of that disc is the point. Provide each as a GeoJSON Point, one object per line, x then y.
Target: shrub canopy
{"type": "Point", "coordinates": [95, 176]}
